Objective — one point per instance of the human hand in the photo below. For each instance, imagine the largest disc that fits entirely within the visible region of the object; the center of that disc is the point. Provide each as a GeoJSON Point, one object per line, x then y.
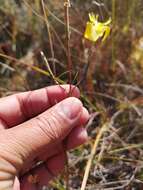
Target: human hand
{"type": "Point", "coordinates": [35, 127]}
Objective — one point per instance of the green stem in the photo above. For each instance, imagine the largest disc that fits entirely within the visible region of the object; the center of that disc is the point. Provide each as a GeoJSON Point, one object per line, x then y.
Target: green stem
{"type": "Point", "coordinates": [113, 25]}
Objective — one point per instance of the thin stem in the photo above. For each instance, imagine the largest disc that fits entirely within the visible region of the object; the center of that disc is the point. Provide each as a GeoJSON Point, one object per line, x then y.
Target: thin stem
{"type": "Point", "coordinates": [35, 68]}
{"type": "Point", "coordinates": [69, 68]}
{"type": "Point", "coordinates": [130, 14]}
{"type": "Point", "coordinates": [67, 6]}
{"type": "Point", "coordinates": [93, 152]}
{"type": "Point", "coordinates": [37, 3]}
{"type": "Point", "coordinates": [113, 40]}
{"type": "Point", "coordinates": [54, 16]}
{"type": "Point", "coordinates": [49, 69]}
{"type": "Point", "coordinates": [50, 36]}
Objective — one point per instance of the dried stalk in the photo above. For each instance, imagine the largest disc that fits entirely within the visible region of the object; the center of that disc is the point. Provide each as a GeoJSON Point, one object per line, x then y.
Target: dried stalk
{"type": "Point", "coordinates": [50, 36]}
{"type": "Point", "coordinates": [67, 6]}
{"type": "Point", "coordinates": [93, 152]}
{"type": "Point", "coordinates": [49, 69]}
{"type": "Point", "coordinates": [69, 68]}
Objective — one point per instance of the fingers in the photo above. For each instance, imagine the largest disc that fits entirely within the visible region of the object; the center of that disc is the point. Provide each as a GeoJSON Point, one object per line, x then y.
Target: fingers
{"type": "Point", "coordinates": [25, 141]}
{"type": "Point", "coordinates": [40, 176]}
{"type": "Point", "coordinates": [57, 160]}
{"type": "Point", "coordinates": [18, 108]}
{"type": "Point", "coordinates": [76, 137]}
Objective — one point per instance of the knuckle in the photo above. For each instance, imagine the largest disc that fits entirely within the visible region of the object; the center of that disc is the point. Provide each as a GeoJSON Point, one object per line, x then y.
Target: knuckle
{"type": "Point", "coordinates": [24, 104]}
{"type": "Point", "coordinates": [50, 126]}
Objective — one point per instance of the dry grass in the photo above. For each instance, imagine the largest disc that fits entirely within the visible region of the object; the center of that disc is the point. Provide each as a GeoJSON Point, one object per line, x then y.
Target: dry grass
{"type": "Point", "coordinates": [110, 77]}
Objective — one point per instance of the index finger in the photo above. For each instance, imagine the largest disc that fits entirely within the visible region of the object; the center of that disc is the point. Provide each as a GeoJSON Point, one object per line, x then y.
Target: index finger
{"type": "Point", "coordinates": [20, 107]}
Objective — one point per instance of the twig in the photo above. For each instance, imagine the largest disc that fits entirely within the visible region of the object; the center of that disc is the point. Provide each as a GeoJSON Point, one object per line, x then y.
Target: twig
{"type": "Point", "coordinates": [7, 67]}
{"type": "Point", "coordinates": [93, 152]}
{"type": "Point", "coordinates": [49, 69]}
{"type": "Point", "coordinates": [35, 68]}
{"type": "Point", "coordinates": [54, 16]}
{"type": "Point", "coordinates": [127, 183]}
{"type": "Point", "coordinates": [123, 159]}
{"type": "Point", "coordinates": [126, 86]}
{"type": "Point", "coordinates": [67, 6]}
{"type": "Point", "coordinates": [50, 36]}
{"type": "Point", "coordinates": [69, 69]}
{"type": "Point", "coordinates": [113, 38]}
{"type": "Point", "coordinates": [126, 148]}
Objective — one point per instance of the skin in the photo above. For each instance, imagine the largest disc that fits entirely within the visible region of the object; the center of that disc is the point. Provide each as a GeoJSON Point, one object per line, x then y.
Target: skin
{"type": "Point", "coordinates": [38, 126]}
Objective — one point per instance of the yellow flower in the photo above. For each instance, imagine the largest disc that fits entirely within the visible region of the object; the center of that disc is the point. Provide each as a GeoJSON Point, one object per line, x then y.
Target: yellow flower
{"type": "Point", "coordinates": [95, 29]}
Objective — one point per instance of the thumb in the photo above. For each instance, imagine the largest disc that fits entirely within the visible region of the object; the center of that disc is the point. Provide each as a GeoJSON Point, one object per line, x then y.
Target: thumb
{"type": "Point", "coordinates": [25, 141]}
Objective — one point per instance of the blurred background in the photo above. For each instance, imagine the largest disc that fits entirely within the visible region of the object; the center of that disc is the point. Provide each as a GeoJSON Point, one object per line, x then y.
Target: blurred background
{"type": "Point", "coordinates": [109, 74]}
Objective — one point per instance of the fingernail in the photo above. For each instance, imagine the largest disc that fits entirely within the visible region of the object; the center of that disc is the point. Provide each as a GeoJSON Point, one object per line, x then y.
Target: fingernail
{"type": "Point", "coordinates": [71, 107]}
